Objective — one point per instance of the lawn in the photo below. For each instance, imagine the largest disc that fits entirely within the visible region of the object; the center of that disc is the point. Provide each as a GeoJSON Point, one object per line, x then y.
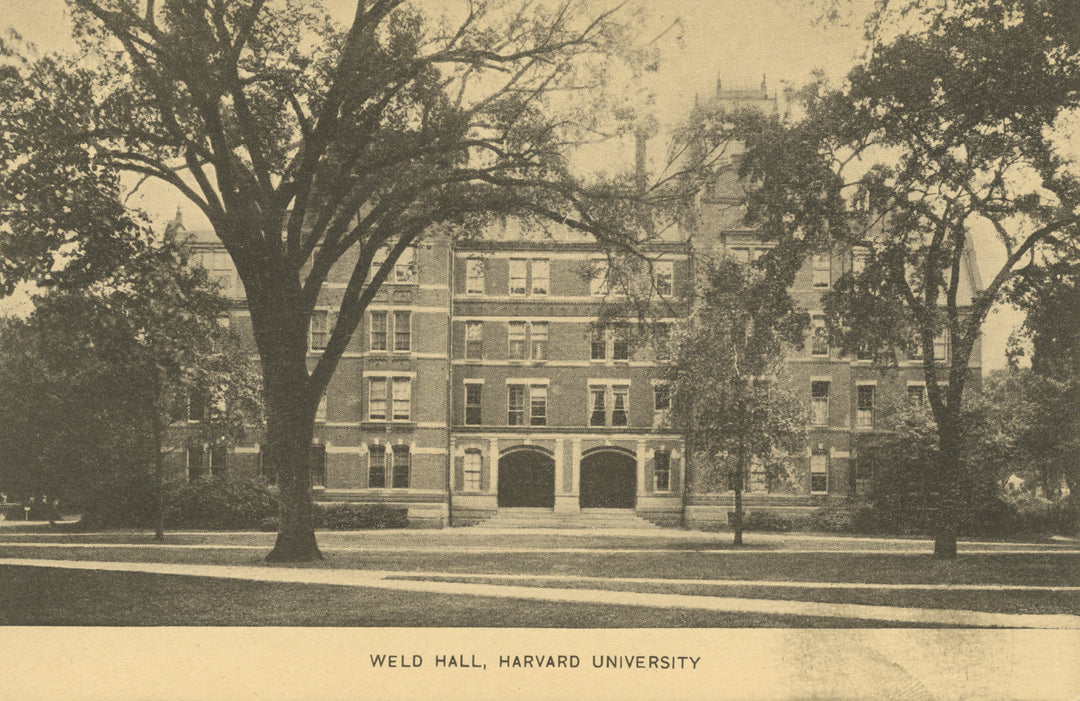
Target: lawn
{"type": "Point", "coordinates": [1062, 569]}
{"type": "Point", "coordinates": [58, 596]}
{"type": "Point", "coordinates": [46, 596]}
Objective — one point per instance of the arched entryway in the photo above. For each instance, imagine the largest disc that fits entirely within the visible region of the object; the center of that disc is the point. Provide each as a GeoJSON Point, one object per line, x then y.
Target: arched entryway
{"type": "Point", "coordinates": [526, 478]}
{"type": "Point", "coordinates": [608, 479]}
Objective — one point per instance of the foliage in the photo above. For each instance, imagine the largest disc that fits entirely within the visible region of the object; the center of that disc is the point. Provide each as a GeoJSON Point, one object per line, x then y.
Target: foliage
{"type": "Point", "coordinates": [92, 378]}
{"type": "Point", "coordinates": [350, 517]}
{"type": "Point", "coordinates": [1046, 395]}
{"type": "Point", "coordinates": [219, 503]}
{"type": "Point", "coordinates": [726, 375]}
{"type": "Point", "coordinates": [768, 522]}
{"type": "Point", "coordinates": [942, 131]}
{"type": "Point", "coordinates": [308, 146]}
{"type": "Point", "coordinates": [909, 489]}
{"type": "Point", "coordinates": [845, 518]}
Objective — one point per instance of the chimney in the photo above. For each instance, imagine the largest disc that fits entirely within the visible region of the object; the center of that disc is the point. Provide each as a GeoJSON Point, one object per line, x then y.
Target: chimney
{"type": "Point", "coordinates": [640, 152]}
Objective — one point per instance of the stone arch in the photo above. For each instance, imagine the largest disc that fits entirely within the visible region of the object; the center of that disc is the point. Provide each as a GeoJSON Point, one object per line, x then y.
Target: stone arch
{"type": "Point", "coordinates": [608, 478]}
{"type": "Point", "coordinates": [526, 478]}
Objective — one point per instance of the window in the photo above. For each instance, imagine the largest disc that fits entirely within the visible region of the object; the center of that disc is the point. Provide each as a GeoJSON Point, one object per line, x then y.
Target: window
{"type": "Point", "coordinates": [941, 347]}
{"type": "Point", "coordinates": [473, 393]}
{"type": "Point", "coordinates": [538, 405]}
{"type": "Point", "coordinates": [401, 467]}
{"type": "Point", "coordinates": [405, 267]}
{"type": "Point", "coordinates": [819, 403]}
{"type": "Point", "coordinates": [864, 470]}
{"type": "Point", "coordinates": [376, 467]}
{"type": "Point", "coordinates": [518, 276]}
{"type": "Point", "coordinates": [541, 276]}
{"type": "Point", "coordinates": [377, 399]}
{"type": "Point", "coordinates": [539, 340]}
{"type": "Point", "coordinates": [599, 343]}
{"type": "Point", "coordinates": [516, 336]}
{"type": "Point", "coordinates": [402, 398]}
{"type": "Point", "coordinates": [474, 340]}
{"type": "Point", "coordinates": [266, 470]}
{"type": "Point", "coordinates": [822, 271]}
{"type": "Point", "coordinates": [609, 405]}
{"type": "Point", "coordinates": [863, 353]}
{"type": "Point", "coordinates": [402, 332]}
{"type": "Point", "coordinates": [620, 342]}
{"type": "Point", "coordinates": [198, 401]}
{"type": "Point", "coordinates": [663, 274]}
{"type": "Point", "coordinates": [819, 342]}
{"type": "Point", "coordinates": [741, 254]}
{"type": "Point", "coordinates": [318, 465]}
{"type": "Point", "coordinates": [864, 406]}
{"type": "Point", "coordinates": [620, 395]}
{"type": "Point", "coordinates": [219, 460]}
{"type": "Point", "coordinates": [322, 324]}
{"type": "Point", "coordinates": [819, 472]}
{"type": "Point", "coordinates": [916, 395]}
{"type": "Point", "coordinates": [473, 461]}
{"type": "Point", "coordinates": [661, 397]}
{"type": "Point", "coordinates": [320, 410]}
{"type": "Point", "coordinates": [219, 267]}
{"type": "Point", "coordinates": [859, 254]}
{"type": "Point", "coordinates": [662, 470]}
{"type": "Point", "coordinates": [398, 390]}
{"type": "Point", "coordinates": [598, 277]}
{"type": "Point", "coordinates": [597, 404]}
{"type": "Point", "coordinates": [474, 276]}
{"type": "Point", "coordinates": [195, 467]}
{"type": "Point", "coordinates": [515, 403]}
{"type": "Point", "coordinates": [379, 331]}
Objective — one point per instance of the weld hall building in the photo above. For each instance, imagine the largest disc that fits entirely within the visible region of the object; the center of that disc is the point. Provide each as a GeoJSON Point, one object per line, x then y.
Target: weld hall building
{"type": "Point", "coordinates": [480, 387]}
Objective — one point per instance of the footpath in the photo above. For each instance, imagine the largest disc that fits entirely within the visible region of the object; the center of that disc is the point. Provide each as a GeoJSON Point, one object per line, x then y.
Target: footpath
{"type": "Point", "coordinates": [402, 581]}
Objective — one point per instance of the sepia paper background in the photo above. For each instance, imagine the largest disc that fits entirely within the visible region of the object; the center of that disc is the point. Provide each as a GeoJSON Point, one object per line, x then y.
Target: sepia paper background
{"type": "Point", "coordinates": [738, 42]}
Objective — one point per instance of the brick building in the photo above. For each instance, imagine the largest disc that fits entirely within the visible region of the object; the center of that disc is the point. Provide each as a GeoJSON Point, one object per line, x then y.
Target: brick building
{"type": "Point", "coordinates": [480, 380]}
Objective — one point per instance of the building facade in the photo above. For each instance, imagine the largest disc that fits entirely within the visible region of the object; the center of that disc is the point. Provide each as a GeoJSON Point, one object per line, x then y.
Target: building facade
{"type": "Point", "coordinates": [482, 379]}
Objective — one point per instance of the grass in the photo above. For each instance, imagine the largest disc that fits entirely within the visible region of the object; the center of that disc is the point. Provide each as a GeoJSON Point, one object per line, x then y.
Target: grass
{"type": "Point", "coordinates": [1021, 602]}
{"type": "Point", "coordinates": [1061, 569]}
{"type": "Point", "coordinates": [46, 596]}
{"type": "Point", "coordinates": [57, 596]}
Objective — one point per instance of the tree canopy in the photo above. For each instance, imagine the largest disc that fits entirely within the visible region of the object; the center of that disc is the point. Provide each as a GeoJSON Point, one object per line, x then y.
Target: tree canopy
{"type": "Point", "coordinates": [95, 375]}
{"type": "Point", "coordinates": [310, 146]}
{"type": "Point", "coordinates": [948, 130]}
{"type": "Point", "coordinates": [727, 382]}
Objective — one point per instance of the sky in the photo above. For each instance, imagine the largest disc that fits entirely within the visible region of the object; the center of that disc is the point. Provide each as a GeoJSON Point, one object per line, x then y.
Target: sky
{"type": "Point", "coordinates": [738, 42]}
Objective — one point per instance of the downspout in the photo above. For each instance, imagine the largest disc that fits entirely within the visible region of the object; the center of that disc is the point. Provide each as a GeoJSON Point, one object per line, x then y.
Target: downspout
{"type": "Point", "coordinates": [449, 381]}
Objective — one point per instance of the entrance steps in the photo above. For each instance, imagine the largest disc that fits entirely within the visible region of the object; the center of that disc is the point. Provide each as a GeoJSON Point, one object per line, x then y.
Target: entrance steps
{"type": "Point", "coordinates": [548, 518]}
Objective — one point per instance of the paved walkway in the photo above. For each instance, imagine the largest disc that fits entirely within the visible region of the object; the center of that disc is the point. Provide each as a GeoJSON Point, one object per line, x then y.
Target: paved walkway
{"type": "Point", "coordinates": [394, 581]}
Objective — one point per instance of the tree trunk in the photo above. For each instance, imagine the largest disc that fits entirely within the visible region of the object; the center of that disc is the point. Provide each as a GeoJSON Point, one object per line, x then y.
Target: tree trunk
{"type": "Point", "coordinates": [290, 430]}
{"type": "Point", "coordinates": [949, 491]}
{"type": "Point", "coordinates": [159, 495]}
{"type": "Point", "coordinates": [280, 326]}
{"type": "Point", "coordinates": [738, 525]}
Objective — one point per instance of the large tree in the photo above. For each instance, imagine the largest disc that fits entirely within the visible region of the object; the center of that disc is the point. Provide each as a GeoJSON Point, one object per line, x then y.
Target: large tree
{"type": "Point", "coordinates": [729, 392]}
{"type": "Point", "coordinates": [948, 129]}
{"type": "Point", "coordinates": [95, 376]}
{"type": "Point", "coordinates": [308, 146]}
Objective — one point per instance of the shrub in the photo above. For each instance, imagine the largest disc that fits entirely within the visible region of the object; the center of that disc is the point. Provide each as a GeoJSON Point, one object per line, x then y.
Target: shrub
{"type": "Point", "coordinates": [348, 517]}
{"type": "Point", "coordinates": [767, 521]}
{"type": "Point", "coordinates": [219, 503]}
{"type": "Point", "coordinates": [119, 504]}
{"type": "Point", "coordinates": [856, 518]}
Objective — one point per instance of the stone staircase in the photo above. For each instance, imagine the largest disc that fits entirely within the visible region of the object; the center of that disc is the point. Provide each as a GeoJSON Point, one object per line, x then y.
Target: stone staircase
{"type": "Point", "coordinates": [586, 518]}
